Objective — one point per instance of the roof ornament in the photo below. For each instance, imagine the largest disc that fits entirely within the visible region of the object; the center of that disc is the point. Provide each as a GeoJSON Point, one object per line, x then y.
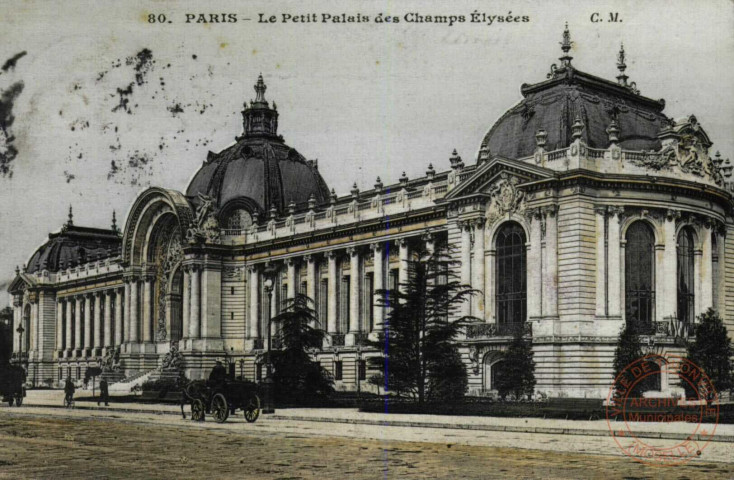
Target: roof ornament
{"type": "Point", "coordinates": [291, 207]}
{"type": "Point", "coordinates": [355, 191]}
{"type": "Point", "coordinates": [431, 172]}
{"type": "Point", "coordinates": [403, 179]}
{"type": "Point", "coordinates": [114, 223]}
{"type": "Point", "coordinates": [455, 159]}
{"type": "Point", "coordinates": [70, 222]}
{"type": "Point", "coordinates": [621, 66]}
{"type": "Point", "coordinates": [17, 270]}
{"type": "Point", "coordinates": [566, 46]}
{"type": "Point", "coordinates": [541, 137]}
{"type": "Point", "coordinates": [378, 184]}
{"type": "Point", "coordinates": [273, 211]}
{"type": "Point", "coordinates": [332, 200]}
{"type": "Point", "coordinates": [577, 128]}
{"type": "Point", "coordinates": [260, 89]}
{"type": "Point", "coordinates": [312, 202]}
{"type": "Point", "coordinates": [613, 132]}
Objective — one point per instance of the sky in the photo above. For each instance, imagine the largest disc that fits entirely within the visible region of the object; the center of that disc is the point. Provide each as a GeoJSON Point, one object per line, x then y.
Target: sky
{"type": "Point", "coordinates": [100, 100]}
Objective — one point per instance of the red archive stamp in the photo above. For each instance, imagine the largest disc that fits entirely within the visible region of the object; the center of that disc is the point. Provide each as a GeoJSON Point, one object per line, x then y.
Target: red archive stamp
{"type": "Point", "coordinates": [629, 414]}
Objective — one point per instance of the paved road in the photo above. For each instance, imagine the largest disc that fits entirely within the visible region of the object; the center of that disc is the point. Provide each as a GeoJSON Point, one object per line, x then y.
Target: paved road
{"type": "Point", "coordinates": [53, 443]}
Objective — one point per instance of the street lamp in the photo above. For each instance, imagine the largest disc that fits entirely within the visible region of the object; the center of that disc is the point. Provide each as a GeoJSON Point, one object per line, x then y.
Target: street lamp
{"type": "Point", "coordinates": [269, 274]}
{"type": "Point", "coordinates": [20, 331]}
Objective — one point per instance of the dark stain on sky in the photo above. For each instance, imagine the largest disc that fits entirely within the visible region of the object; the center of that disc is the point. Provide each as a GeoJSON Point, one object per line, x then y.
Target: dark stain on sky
{"type": "Point", "coordinates": [12, 61]}
{"type": "Point", "coordinates": [8, 152]}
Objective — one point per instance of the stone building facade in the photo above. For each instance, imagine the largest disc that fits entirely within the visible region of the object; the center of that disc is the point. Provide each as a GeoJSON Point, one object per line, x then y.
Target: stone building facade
{"type": "Point", "coordinates": [586, 207]}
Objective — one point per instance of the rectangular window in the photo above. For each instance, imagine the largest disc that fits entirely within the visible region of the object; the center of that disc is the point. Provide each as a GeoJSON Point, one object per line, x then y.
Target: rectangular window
{"type": "Point", "coordinates": [61, 373]}
{"type": "Point", "coordinates": [231, 290]}
{"type": "Point", "coordinates": [362, 370]}
{"type": "Point", "coordinates": [304, 288]}
{"type": "Point", "coordinates": [338, 366]}
{"type": "Point", "coordinates": [78, 372]}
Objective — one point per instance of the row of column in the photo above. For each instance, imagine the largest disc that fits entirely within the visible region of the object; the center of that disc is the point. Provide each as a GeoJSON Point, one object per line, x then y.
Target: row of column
{"type": "Point", "coordinates": [87, 326]}
{"type": "Point", "coordinates": [311, 262]}
{"type": "Point", "coordinates": [610, 274]}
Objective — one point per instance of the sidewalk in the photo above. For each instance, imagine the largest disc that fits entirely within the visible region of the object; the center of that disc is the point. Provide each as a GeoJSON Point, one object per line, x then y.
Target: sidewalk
{"type": "Point", "coordinates": [676, 431]}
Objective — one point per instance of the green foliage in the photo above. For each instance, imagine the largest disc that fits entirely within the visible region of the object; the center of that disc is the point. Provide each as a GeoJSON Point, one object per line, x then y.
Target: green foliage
{"type": "Point", "coordinates": [419, 356]}
{"type": "Point", "coordinates": [516, 373]}
{"type": "Point", "coordinates": [712, 352]}
{"type": "Point", "coordinates": [628, 350]}
{"type": "Point", "coordinates": [295, 373]}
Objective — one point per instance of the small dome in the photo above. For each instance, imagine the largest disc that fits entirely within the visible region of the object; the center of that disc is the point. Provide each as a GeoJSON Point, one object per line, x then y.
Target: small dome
{"type": "Point", "coordinates": [73, 246]}
{"type": "Point", "coordinates": [554, 105]}
{"type": "Point", "coordinates": [260, 170]}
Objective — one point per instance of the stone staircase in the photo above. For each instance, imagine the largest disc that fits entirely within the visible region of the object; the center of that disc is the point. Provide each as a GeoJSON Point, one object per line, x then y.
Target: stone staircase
{"type": "Point", "coordinates": [126, 384]}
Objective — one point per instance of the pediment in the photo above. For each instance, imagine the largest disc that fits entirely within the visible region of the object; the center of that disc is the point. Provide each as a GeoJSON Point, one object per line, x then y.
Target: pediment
{"type": "Point", "coordinates": [20, 283]}
{"type": "Point", "coordinates": [485, 180]}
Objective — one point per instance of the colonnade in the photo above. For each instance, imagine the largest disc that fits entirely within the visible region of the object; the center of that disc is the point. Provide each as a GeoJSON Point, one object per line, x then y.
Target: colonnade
{"type": "Point", "coordinates": [88, 323]}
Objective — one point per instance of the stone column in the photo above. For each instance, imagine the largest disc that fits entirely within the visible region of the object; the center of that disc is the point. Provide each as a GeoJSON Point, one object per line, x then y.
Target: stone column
{"type": "Point", "coordinates": [465, 262]}
{"type": "Point", "coordinates": [118, 316]}
{"type": "Point", "coordinates": [720, 284]}
{"type": "Point", "coordinates": [78, 340]}
{"type": "Point", "coordinates": [354, 282]}
{"type": "Point", "coordinates": [128, 310]}
{"type": "Point", "coordinates": [478, 269]}
{"type": "Point", "coordinates": [489, 285]}
{"type": "Point", "coordinates": [186, 302]}
{"type": "Point", "coordinates": [550, 262]}
{"type": "Point", "coordinates": [211, 304]}
{"type": "Point", "coordinates": [87, 321]}
{"type": "Point", "coordinates": [430, 242]}
{"type": "Point", "coordinates": [333, 281]}
{"type": "Point", "coordinates": [134, 321]}
{"type": "Point", "coordinates": [59, 324]}
{"type": "Point", "coordinates": [254, 304]}
{"type": "Point", "coordinates": [379, 284]}
{"type": "Point", "coordinates": [291, 273]}
{"type": "Point", "coordinates": [601, 261]}
{"type": "Point", "coordinates": [97, 321]}
{"type": "Point", "coordinates": [194, 309]}
{"type": "Point", "coordinates": [534, 269]}
{"type": "Point", "coordinates": [668, 300]}
{"type": "Point", "coordinates": [69, 323]}
{"type": "Point", "coordinates": [404, 256]}
{"type": "Point", "coordinates": [34, 336]}
{"type": "Point", "coordinates": [615, 292]}
{"type": "Point", "coordinates": [17, 319]}
{"type": "Point", "coordinates": [706, 278]}
{"type": "Point", "coordinates": [147, 310]}
{"type": "Point", "coordinates": [312, 282]}
{"type": "Point", "coordinates": [107, 340]}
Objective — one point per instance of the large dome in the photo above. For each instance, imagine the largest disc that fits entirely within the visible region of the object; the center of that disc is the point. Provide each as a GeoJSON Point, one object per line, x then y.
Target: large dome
{"type": "Point", "coordinates": [553, 106]}
{"type": "Point", "coordinates": [260, 171]}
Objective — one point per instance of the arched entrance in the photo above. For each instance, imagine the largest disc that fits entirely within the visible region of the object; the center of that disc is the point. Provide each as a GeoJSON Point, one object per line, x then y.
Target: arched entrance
{"type": "Point", "coordinates": [491, 365]}
{"type": "Point", "coordinates": [165, 253]}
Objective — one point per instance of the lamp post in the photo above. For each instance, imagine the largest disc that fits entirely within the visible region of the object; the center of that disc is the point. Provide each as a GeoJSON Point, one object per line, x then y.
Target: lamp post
{"type": "Point", "coordinates": [20, 331]}
{"type": "Point", "coordinates": [269, 274]}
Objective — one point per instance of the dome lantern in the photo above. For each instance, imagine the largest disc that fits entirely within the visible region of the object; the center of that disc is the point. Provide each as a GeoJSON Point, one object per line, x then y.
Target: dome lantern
{"type": "Point", "coordinates": [259, 118]}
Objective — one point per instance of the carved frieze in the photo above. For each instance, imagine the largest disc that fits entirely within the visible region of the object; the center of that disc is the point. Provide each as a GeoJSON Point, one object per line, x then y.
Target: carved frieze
{"type": "Point", "coordinates": [506, 198]}
{"type": "Point", "coordinates": [204, 228]}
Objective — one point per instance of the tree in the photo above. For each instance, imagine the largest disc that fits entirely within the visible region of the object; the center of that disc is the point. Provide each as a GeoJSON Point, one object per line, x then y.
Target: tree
{"type": "Point", "coordinates": [420, 358]}
{"type": "Point", "coordinates": [516, 372]}
{"type": "Point", "coordinates": [295, 373]}
{"type": "Point", "coordinates": [628, 351]}
{"type": "Point", "coordinates": [711, 351]}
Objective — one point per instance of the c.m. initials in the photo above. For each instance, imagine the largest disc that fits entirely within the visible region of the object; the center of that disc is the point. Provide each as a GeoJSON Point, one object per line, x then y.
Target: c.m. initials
{"type": "Point", "coordinates": [612, 18]}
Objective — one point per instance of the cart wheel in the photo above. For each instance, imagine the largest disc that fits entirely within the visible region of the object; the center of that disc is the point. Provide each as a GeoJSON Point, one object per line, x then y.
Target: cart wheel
{"type": "Point", "coordinates": [197, 410]}
{"type": "Point", "coordinates": [252, 410]}
{"type": "Point", "coordinates": [18, 399]}
{"type": "Point", "coordinates": [220, 409]}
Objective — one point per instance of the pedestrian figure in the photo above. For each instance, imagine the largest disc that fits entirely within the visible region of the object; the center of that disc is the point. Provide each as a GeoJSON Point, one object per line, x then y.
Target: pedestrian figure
{"type": "Point", "coordinates": [69, 390]}
{"type": "Point", "coordinates": [104, 394]}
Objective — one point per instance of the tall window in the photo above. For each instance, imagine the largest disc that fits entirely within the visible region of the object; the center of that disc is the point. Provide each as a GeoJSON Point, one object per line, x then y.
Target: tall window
{"type": "Point", "coordinates": [511, 291]}
{"type": "Point", "coordinates": [638, 279]}
{"type": "Point", "coordinates": [238, 219]}
{"type": "Point", "coordinates": [685, 276]}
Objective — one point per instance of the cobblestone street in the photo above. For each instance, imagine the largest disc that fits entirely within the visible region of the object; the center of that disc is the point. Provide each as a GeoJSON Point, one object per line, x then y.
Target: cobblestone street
{"type": "Point", "coordinates": [53, 443]}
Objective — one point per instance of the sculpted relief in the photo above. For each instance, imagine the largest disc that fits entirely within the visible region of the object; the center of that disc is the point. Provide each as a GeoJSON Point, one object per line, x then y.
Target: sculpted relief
{"type": "Point", "coordinates": [506, 198]}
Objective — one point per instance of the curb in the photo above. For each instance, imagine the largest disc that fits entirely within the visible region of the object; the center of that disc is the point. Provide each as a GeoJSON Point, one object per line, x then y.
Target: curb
{"type": "Point", "coordinates": [107, 409]}
{"type": "Point", "coordinates": [501, 428]}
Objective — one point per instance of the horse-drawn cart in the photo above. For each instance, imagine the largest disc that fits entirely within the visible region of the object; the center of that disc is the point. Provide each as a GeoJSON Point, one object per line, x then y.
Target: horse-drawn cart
{"type": "Point", "coordinates": [12, 378]}
{"type": "Point", "coordinates": [220, 399]}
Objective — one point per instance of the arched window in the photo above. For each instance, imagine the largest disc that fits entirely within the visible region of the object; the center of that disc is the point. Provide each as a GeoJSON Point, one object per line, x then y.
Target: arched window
{"type": "Point", "coordinates": [639, 271]}
{"type": "Point", "coordinates": [511, 291]}
{"type": "Point", "coordinates": [685, 276]}
{"type": "Point", "coordinates": [238, 219]}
